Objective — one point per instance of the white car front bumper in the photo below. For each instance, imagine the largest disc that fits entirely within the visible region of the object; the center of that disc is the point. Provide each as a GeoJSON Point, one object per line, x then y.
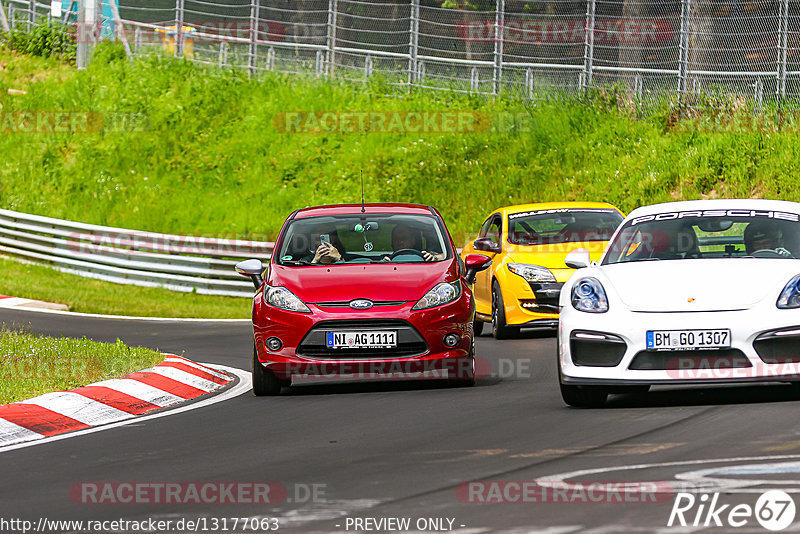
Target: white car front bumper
{"type": "Point", "coordinates": [607, 362]}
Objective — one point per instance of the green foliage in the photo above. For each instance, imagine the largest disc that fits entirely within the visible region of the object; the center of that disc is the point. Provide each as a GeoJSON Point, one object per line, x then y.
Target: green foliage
{"type": "Point", "coordinates": [31, 365]}
{"type": "Point", "coordinates": [46, 39]}
{"type": "Point", "coordinates": [190, 150]}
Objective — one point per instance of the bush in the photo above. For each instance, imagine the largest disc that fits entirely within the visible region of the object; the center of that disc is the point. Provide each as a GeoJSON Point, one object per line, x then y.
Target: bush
{"type": "Point", "coordinates": [47, 39]}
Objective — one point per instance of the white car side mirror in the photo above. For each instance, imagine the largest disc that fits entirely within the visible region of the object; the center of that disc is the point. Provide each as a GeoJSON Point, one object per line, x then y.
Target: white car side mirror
{"type": "Point", "coordinates": [578, 258]}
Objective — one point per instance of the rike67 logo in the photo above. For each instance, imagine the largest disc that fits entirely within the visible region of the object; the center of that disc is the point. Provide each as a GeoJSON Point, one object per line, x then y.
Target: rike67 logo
{"type": "Point", "coordinates": [774, 510]}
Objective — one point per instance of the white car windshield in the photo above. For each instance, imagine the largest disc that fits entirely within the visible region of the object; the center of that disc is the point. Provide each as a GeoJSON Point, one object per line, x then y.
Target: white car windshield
{"type": "Point", "coordinates": [367, 238]}
{"type": "Point", "coordinates": [707, 234]}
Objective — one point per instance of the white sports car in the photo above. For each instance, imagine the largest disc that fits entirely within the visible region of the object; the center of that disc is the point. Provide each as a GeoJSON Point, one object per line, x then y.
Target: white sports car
{"type": "Point", "coordinates": [704, 291]}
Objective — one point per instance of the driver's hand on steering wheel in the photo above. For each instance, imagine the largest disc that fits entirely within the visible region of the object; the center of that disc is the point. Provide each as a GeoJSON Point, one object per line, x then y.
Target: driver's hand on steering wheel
{"type": "Point", "coordinates": [428, 256]}
{"type": "Point", "coordinates": [386, 258]}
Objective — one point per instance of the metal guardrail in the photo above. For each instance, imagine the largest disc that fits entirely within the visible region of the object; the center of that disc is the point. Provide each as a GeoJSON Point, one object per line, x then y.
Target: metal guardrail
{"type": "Point", "coordinates": [181, 263]}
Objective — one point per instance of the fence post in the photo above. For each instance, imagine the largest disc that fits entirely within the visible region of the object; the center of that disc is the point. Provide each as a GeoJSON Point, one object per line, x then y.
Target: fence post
{"type": "Point", "coordinates": [255, 15]}
{"type": "Point", "coordinates": [499, 31]}
{"type": "Point", "coordinates": [588, 47]}
{"type": "Point", "coordinates": [783, 40]}
{"type": "Point", "coordinates": [367, 67]}
{"type": "Point", "coordinates": [87, 24]}
{"type": "Point", "coordinates": [683, 59]}
{"type": "Point", "coordinates": [178, 28]}
{"type": "Point", "coordinates": [223, 54]}
{"type": "Point", "coordinates": [31, 14]}
{"type": "Point", "coordinates": [333, 7]}
{"type": "Point", "coordinates": [3, 19]}
{"type": "Point", "coordinates": [413, 43]}
{"type": "Point", "coordinates": [529, 81]}
{"type": "Point", "coordinates": [137, 39]}
{"type": "Point", "coordinates": [759, 95]}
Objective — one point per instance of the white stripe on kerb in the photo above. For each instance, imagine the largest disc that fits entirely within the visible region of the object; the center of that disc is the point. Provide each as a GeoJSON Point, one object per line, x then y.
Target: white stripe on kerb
{"type": "Point", "coordinates": [9, 302]}
{"type": "Point", "coordinates": [141, 391]}
{"type": "Point", "coordinates": [186, 378]}
{"type": "Point", "coordinates": [11, 433]}
{"type": "Point", "coordinates": [78, 407]}
{"type": "Point", "coordinates": [199, 367]}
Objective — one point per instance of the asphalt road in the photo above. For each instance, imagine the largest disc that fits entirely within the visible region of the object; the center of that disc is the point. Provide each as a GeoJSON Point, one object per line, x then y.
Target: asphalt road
{"type": "Point", "coordinates": [403, 449]}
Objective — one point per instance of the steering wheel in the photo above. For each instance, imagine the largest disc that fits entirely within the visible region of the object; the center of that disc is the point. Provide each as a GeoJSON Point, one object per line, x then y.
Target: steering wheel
{"type": "Point", "coordinates": [769, 253]}
{"type": "Point", "coordinates": [410, 251]}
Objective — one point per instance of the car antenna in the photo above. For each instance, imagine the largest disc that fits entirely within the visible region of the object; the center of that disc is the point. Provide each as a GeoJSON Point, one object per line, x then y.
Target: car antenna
{"type": "Point", "coordinates": [362, 192]}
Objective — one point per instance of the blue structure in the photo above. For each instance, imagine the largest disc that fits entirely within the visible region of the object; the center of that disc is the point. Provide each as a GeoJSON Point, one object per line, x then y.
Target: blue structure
{"type": "Point", "coordinates": [109, 26]}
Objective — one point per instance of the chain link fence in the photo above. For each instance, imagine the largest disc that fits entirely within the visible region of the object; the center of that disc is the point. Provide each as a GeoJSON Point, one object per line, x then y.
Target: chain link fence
{"type": "Point", "coordinates": [526, 48]}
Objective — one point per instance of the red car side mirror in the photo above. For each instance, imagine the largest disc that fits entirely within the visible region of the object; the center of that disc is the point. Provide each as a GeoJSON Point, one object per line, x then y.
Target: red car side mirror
{"type": "Point", "coordinates": [474, 264]}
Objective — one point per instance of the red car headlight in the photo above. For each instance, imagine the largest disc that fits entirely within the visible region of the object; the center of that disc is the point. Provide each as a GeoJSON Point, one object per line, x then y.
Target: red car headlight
{"type": "Point", "coordinates": [442, 293]}
{"type": "Point", "coordinates": [282, 298]}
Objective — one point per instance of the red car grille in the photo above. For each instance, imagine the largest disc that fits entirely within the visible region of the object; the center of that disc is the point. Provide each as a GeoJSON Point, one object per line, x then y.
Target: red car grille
{"type": "Point", "coordinates": [409, 341]}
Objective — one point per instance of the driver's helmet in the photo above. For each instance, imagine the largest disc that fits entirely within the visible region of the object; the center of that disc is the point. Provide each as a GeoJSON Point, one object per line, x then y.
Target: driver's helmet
{"type": "Point", "coordinates": [762, 235]}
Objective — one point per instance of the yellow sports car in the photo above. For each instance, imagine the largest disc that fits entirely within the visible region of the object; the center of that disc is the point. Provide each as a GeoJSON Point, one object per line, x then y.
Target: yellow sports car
{"type": "Point", "coordinates": [528, 244]}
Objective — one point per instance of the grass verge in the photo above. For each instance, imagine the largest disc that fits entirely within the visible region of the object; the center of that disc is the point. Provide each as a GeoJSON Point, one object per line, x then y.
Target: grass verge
{"type": "Point", "coordinates": [32, 365]}
{"type": "Point", "coordinates": [192, 150]}
{"type": "Point", "coordinates": [95, 296]}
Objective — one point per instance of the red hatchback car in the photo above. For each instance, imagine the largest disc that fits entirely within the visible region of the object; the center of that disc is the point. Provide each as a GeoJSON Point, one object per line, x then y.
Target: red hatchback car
{"type": "Point", "coordinates": [363, 290]}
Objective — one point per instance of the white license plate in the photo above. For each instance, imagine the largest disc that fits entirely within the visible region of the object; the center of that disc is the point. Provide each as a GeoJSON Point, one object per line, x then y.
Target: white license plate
{"type": "Point", "coordinates": [688, 339]}
{"type": "Point", "coordinates": [379, 339]}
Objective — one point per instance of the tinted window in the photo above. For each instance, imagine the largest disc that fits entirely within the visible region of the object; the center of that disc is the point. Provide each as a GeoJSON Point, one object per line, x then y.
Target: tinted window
{"type": "Point", "coordinates": [544, 227]}
{"type": "Point", "coordinates": [709, 234]}
{"type": "Point", "coordinates": [364, 239]}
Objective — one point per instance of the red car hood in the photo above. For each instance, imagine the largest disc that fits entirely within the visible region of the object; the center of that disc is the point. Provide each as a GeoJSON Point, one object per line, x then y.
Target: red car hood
{"type": "Point", "coordinates": [376, 282]}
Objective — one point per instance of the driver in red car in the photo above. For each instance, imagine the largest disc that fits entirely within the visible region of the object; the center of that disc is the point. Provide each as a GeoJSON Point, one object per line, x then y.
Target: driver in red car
{"type": "Point", "coordinates": [403, 237]}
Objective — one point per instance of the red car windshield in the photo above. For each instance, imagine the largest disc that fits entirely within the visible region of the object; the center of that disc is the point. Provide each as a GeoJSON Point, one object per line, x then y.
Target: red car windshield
{"type": "Point", "coordinates": [367, 238]}
{"type": "Point", "coordinates": [545, 227]}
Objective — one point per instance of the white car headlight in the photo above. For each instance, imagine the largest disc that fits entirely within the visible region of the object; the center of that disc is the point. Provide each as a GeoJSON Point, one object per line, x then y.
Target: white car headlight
{"type": "Point", "coordinates": [790, 296]}
{"type": "Point", "coordinates": [532, 273]}
{"type": "Point", "coordinates": [441, 294]}
{"type": "Point", "coordinates": [588, 295]}
{"type": "Point", "coordinates": [282, 298]}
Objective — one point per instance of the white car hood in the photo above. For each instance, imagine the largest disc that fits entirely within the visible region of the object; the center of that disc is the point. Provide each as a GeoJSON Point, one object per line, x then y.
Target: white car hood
{"type": "Point", "coordinates": [697, 285]}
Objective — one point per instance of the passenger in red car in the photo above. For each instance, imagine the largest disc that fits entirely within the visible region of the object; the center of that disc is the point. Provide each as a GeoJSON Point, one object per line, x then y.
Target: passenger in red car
{"type": "Point", "coordinates": [329, 251]}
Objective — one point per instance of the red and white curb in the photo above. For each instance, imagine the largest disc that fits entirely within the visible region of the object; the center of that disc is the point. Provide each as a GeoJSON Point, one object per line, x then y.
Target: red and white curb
{"type": "Point", "coordinates": [174, 381]}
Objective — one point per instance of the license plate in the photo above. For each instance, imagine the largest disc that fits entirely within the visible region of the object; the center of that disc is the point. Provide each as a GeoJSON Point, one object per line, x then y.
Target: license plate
{"type": "Point", "coordinates": [383, 339]}
{"type": "Point", "coordinates": [688, 339]}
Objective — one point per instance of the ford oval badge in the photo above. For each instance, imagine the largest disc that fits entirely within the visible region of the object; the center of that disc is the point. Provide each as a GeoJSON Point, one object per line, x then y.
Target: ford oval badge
{"type": "Point", "coordinates": [361, 304]}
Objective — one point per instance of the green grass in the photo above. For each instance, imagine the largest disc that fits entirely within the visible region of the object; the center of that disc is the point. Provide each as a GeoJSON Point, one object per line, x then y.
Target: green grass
{"type": "Point", "coordinates": [95, 296]}
{"type": "Point", "coordinates": [188, 149]}
{"type": "Point", "coordinates": [32, 365]}
{"type": "Point", "coordinates": [212, 162]}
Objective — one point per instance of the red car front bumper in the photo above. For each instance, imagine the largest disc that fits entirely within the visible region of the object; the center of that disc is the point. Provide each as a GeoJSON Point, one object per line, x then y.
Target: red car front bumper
{"type": "Point", "coordinates": [425, 351]}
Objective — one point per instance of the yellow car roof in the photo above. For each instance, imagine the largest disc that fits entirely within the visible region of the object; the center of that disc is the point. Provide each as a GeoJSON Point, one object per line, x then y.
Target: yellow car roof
{"type": "Point", "coordinates": [554, 205]}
